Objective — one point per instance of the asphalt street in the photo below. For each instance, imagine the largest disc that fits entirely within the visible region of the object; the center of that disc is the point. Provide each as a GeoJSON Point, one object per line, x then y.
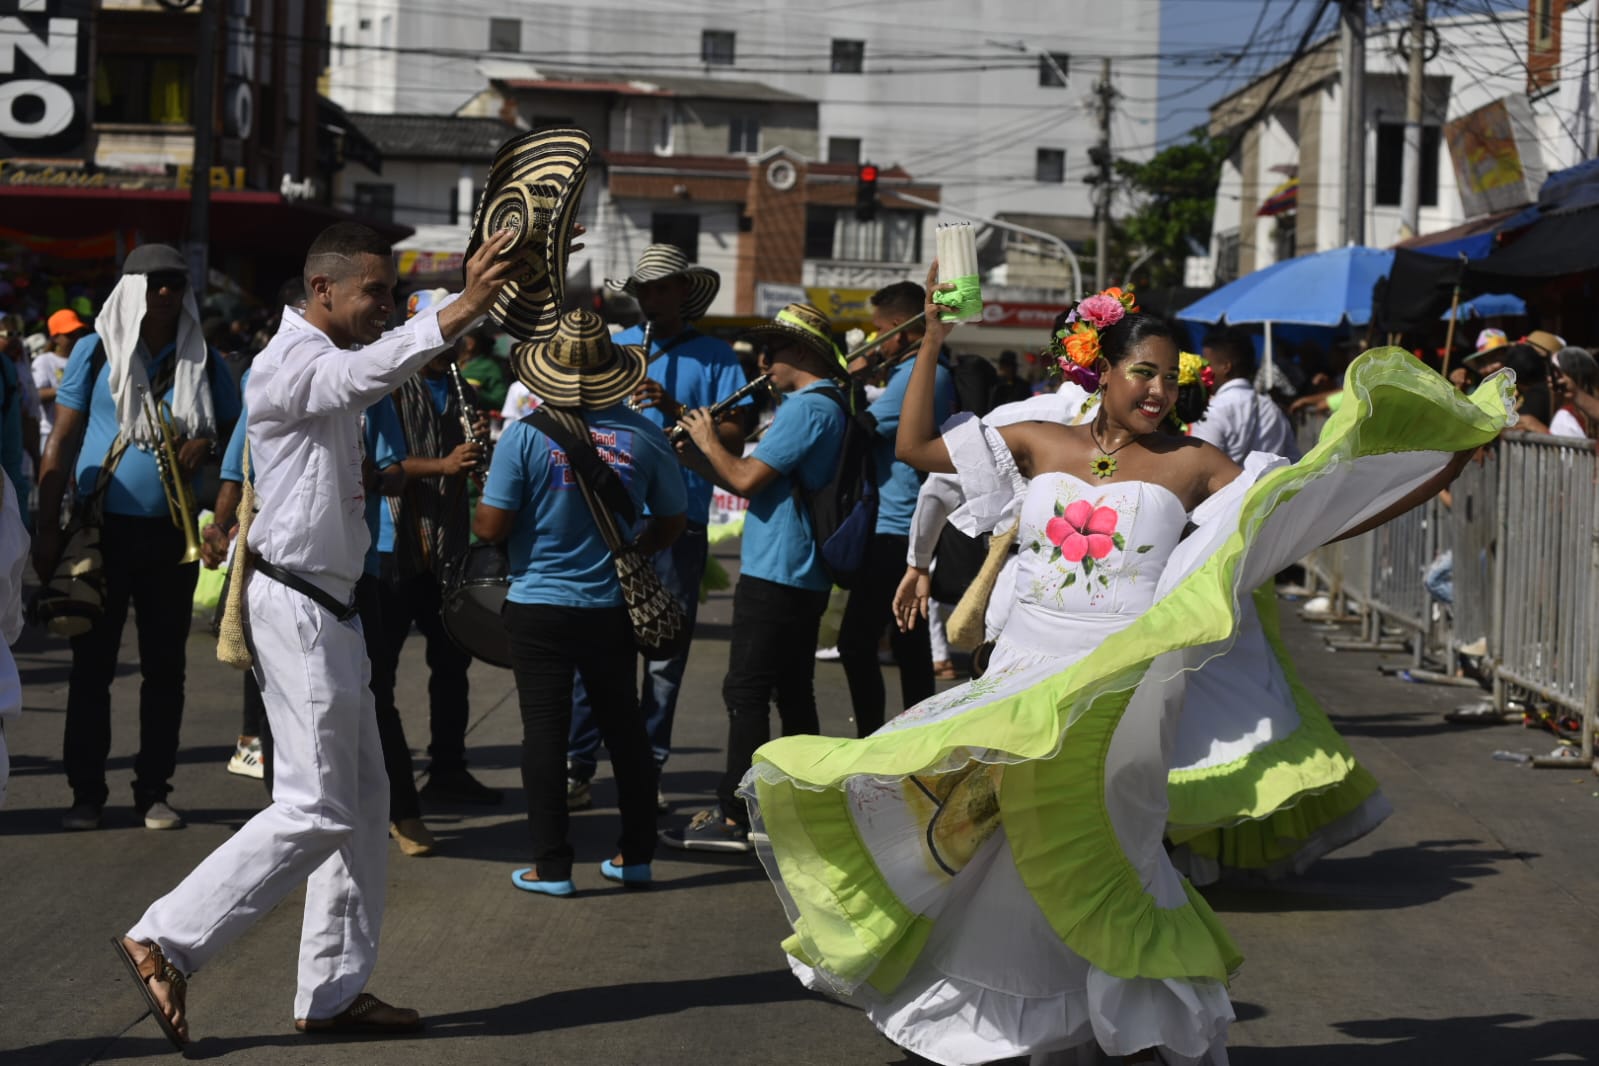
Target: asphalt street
{"type": "Point", "coordinates": [1464, 931]}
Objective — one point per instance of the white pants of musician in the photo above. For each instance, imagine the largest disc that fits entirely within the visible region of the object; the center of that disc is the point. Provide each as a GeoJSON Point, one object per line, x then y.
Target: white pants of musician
{"type": "Point", "coordinates": [328, 820]}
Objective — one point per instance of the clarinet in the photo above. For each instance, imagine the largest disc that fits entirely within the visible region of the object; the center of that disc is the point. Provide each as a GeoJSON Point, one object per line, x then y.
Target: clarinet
{"type": "Point", "coordinates": [469, 418]}
{"type": "Point", "coordinates": [677, 434]}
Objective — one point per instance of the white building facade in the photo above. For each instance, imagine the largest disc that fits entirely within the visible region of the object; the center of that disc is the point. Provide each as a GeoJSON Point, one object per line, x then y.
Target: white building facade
{"type": "Point", "coordinates": [1475, 61]}
{"type": "Point", "coordinates": [990, 100]}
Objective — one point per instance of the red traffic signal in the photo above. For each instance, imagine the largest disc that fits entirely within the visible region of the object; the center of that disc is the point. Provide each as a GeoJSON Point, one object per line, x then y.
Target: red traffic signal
{"type": "Point", "coordinates": [866, 192]}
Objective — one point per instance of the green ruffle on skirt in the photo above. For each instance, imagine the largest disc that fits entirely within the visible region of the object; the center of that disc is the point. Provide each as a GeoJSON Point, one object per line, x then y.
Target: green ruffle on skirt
{"type": "Point", "coordinates": [1313, 758]}
{"type": "Point", "coordinates": [1053, 737]}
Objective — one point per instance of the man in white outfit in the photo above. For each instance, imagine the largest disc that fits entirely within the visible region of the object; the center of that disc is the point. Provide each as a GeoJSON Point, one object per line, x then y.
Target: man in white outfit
{"type": "Point", "coordinates": [329, 815]}
{"type": "Point", "coordinates": [1239, 420]}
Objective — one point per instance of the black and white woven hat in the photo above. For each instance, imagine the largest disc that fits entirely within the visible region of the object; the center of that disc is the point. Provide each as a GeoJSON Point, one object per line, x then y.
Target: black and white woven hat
{"type": "Point", "coordinates": [578, 365]}
{"type": "Point", "coordinates": [533, 187]}
{"type": "Point", "coordinates": [660, 261]}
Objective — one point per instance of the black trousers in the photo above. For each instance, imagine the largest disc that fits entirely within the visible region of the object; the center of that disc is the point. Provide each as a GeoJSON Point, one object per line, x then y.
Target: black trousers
{"type": "Point", "coordinates": [419, 599]}
{"type": "Point", "coordinates": [549, 643]}
{"type": "Point", "coordinates": [870, 609]}
{"type": "Point", "coordinates": [403, 802]}
{"type": "Point", "coordinates": [141, 559]}
{"type": "Point", "coordinates": [773, 653]}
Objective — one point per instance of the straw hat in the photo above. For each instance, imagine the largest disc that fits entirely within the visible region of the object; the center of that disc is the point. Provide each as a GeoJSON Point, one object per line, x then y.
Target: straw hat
{"type": "Point", "coordinates": [578, 365]}
{"type": "Point", "coordinates": [805, 324]}
{"type": "Point", "coordinates": [660, 261]}
{"type": "Point", "coordinates": [533, 187]}
{"type": "Point", "coordinates": [1546, 342]}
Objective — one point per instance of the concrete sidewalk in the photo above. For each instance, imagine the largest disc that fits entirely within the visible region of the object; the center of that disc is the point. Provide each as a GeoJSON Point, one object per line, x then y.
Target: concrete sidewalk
{"type": "Point", "coordinates": [1461, 932]}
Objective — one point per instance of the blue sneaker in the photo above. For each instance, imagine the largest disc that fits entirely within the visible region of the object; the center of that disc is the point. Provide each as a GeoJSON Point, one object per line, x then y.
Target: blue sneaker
{"type": "Point", "coordinates": [708, 831]}
{"type": "Point", "coordinates": [520, 878]}
{"type": "Point", "coordinates": [629, 875]}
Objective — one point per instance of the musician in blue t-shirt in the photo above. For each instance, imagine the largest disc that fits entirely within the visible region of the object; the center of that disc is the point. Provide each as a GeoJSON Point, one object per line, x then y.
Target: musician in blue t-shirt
{"type": "Point", "coordinates": [782, 586]}
{"type": "Point", "coordinates": [564, 612]}
{"type": "Point", "coordinates": [687, 370]}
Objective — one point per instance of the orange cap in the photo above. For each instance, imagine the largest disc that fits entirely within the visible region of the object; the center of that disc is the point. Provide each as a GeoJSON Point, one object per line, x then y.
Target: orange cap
{"type": "Point", "coordinates": [65, 320]}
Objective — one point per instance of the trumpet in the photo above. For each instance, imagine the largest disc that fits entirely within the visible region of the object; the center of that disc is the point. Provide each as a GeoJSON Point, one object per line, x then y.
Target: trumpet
{"type": "Point", "coordinates": [180, 497]}
{"type": "Point", "coordinates": [469, 418]}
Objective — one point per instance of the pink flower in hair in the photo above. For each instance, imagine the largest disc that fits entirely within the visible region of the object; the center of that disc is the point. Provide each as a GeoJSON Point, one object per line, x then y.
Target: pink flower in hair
{"type": "Point", "coordinates": [1101, 311]}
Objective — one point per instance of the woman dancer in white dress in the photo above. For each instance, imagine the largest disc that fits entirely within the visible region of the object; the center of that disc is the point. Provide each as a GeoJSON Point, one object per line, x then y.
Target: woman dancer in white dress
{"type": "Point", "coordinates": [986, 876]}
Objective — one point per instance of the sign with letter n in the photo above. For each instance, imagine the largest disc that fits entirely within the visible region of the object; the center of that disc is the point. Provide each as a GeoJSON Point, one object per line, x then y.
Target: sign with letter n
{"type": "Point", "coordinates": [44, 77]}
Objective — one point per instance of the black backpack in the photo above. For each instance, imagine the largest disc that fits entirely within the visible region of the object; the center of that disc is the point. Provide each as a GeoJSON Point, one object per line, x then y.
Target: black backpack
{"type": "Point", "coordinates": [843, 510]}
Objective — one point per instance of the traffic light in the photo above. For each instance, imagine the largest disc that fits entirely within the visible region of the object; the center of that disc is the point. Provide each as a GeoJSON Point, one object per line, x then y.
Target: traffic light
{"type": "Point", "coordinates": [865, 193]}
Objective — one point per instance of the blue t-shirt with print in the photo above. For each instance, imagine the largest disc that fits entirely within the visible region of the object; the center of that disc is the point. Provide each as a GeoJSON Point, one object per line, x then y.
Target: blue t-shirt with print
{"type": "Point", "coordinates": [802, 443]}
{"type": "Point", "coordinates": [135, 487]}
{"type": "Point", "coordinates": [556, 553]}
{"type": "Point", "coordinates": [696, 373]}
{"type": "Point", "coordinates": [898, 483]}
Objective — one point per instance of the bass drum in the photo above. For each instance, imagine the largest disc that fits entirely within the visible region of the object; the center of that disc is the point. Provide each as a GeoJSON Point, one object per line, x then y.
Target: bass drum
{"type": "Point", "coordinates": [475, 584]}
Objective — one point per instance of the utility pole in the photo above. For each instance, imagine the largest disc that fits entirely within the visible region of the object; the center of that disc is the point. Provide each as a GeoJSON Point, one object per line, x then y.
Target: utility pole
{"type": "Point", "coordinates": [1353, 34]}
{"type": "Point", "coordinates": [1101, 157]}
{"type": "Point", "coordinates": [1410, 189]}
{"type": "Point", "coordinates": [205, 77]}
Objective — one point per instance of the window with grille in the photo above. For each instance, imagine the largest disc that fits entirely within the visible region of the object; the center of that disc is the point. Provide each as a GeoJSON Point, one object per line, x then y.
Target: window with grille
{"type": "Point", "coordinates": [1051, 166]}
{"type": "Point", "coordinates": [505, 35]}
{"type": "Point", "coordinates": [716, 48]}
{"type": "Point", "coordinates": [835, 233]}
{"type": "Point", "coordinates": [847, 56]}
{"type": "Point", "coordinates": [1052, 67]}
{"type": "Point", "coordinates": [844, 150]}
{"type": "Point", "coordinates": [743, 135]}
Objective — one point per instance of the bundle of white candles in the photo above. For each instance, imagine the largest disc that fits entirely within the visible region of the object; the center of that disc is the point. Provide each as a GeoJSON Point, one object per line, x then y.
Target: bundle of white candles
{"type": "Point", "coordinates": [957, 251]}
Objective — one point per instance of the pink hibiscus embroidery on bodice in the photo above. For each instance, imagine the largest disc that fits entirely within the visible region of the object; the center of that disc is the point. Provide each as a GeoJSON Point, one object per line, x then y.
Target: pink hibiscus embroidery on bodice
{"type": "Point", "coordinates": [1080, 529]}
{"type": "Point", "coordinates": [1083, 534]}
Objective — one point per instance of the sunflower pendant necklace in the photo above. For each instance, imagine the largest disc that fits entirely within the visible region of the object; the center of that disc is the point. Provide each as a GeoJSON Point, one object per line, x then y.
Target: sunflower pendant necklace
{"type": "Point", "coordinates": [1103, 465]}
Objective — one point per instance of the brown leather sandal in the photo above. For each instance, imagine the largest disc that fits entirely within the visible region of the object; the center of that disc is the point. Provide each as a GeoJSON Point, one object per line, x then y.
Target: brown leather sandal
{"type": "Point", "coordinates": [155, 967]}
{"type": "Point", "coordinates": [367, 1016]}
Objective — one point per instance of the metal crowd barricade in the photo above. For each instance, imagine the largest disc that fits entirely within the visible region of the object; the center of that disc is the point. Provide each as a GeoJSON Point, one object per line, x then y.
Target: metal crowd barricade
{"type": "Point", "coordinates": [1523, 531]}
{"type": "Point", "coordinates": [1542, 639]}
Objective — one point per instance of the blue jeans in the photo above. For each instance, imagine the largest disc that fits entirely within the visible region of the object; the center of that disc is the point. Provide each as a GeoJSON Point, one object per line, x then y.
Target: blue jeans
{"type": "Point", "coordinates": [1439, 577]}
{"type": "Point", "coordinates": [680, 568]}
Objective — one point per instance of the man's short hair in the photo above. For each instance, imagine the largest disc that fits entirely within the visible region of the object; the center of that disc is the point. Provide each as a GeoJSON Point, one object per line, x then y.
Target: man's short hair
{"type": "Point", "coordinates": [1239, 345]}
{"type": "Point", "coordinates": [338, 248]}
{"type": "Point", "coordinates": [901, 298]}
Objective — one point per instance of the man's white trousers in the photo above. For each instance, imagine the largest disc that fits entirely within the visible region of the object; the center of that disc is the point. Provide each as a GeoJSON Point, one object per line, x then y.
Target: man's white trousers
{"type": "Point", "coordinates": [328, 821]}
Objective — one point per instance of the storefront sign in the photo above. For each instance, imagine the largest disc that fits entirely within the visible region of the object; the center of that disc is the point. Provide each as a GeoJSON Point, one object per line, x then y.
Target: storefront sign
{"type": "Point", "coordinates": [44, 77]}
{"type": "Point", "coordinates": [848, 306]}
{"type": "Point", "coordinates": [770, 297]}
{"type": "Point", "coordinates": [238, 90]}
{"type": "Point", "coordinates": [13, 173]}
{"type": "Point", "coordinates": [1020, 316]}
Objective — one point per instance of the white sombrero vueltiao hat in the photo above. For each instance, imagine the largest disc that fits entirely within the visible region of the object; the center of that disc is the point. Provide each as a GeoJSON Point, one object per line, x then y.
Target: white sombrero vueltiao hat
{"type": "Point", "coordinates": [533, 187]}
{"type": "Point", "coordinates": [578, 365]}
{"type": "Point", "coordinates": [667, 260]}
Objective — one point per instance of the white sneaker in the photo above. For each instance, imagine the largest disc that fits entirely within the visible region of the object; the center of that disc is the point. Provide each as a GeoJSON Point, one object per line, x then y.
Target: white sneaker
{"type": "Point", "coordinates": [160, 816]}
{"type": "Point", "coordinates": [827, 655]}
{"type": "Point", "coordinates": [246, 761]}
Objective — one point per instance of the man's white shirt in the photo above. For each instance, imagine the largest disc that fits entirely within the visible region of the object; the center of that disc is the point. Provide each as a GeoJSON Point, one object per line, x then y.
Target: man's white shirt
{"type": "Point", "coordinates": [1239, 421]}
{"type": "Point", "coordinates": [305, 398]}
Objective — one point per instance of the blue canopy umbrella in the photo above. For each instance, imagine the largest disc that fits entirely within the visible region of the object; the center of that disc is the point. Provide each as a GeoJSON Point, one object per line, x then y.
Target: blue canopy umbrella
{"type": "Point", "coordinates": [1212, 307]}
{"type": "Point", "coordinates": [1489, 305]}
{"type": "Point", "coordinates": [1325, 289]}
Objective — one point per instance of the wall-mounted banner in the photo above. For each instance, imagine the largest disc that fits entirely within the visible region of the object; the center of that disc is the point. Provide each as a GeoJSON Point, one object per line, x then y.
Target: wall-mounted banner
{"type": "Point", "coordinates": [44, 77]}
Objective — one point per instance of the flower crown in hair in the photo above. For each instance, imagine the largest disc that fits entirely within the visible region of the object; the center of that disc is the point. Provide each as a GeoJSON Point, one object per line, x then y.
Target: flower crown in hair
{"type": "Point", "coordinates": [1074, 349]}
{"type": "Point", "coordinates": [1195, 370]}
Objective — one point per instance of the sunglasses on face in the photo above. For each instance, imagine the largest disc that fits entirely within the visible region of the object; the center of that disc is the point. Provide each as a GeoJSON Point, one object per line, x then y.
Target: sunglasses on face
{"type": "Point", "coordinates": [169, 279]}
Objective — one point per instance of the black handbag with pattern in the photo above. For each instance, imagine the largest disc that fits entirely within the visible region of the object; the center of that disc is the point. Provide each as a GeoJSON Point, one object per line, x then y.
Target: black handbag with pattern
{"type": "Point", "coordinates": [660, 628]}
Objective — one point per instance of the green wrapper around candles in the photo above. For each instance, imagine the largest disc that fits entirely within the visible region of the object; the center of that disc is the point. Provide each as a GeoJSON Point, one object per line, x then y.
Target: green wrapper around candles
{"type": "Point", "coordinates": [966, 302]}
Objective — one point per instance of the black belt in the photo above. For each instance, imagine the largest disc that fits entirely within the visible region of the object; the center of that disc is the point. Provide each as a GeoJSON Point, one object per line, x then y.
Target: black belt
{"type": "Point", "coordinates": [341, 611]}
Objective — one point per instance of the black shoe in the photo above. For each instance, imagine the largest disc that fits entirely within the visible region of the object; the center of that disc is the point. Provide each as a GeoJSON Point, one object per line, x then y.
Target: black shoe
{"type": "Point", "coordinates": [458, 786]}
